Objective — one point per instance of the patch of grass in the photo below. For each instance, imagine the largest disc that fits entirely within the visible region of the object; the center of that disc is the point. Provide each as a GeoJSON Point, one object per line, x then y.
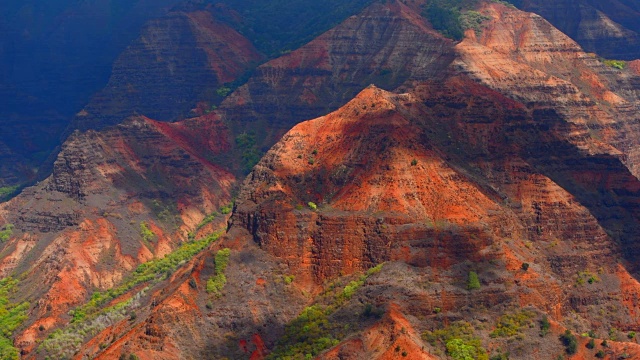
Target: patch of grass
{"type": "Point", "coordinates": [473, 282]}
{"type": "Point", "coordinates": [217, 281]}
{"type": "Point", "coordinates": [152, 271]}
{"type": "Point", "coordinates": [288, 279]}
{"type": "Point", "coordinates": [458, 340]}
{"type": "Point", "coordinates": [226, 209]}
{"type": "Point", "coordinates": [12, 315]}
{"type": "Point", "coordinates": [146, 233]}
{"type": "Point", "coordinates": [617, 64]}
{"type": "Point", "coordinates": [247, 145]}
{"type": "Point", "coordinates": [452, 17]}
{"type": "Point", "coordinates": [312, 332]}
{"type": "Point", "coordinates": [586, 277]}
{"type": "Point", "coordinates": [8, 191]}
{"type": "Point", "coordinates": [6, 232]}
{"type": "Point", "coordinates": [511, 324]}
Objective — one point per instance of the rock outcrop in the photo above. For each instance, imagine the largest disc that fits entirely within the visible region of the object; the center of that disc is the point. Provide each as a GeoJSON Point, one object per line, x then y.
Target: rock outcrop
{"type": "Point", "coordinates": [607, 28]}
{"type": "Point", "coordinates": [178, 60]}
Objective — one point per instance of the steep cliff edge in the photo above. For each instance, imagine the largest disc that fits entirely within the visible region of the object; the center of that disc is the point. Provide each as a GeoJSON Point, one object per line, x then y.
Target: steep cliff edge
{"type": "Point", "coordinates": [608, 28]}
{"type": "Point", "coordinates": [178, 61]}
{"type": "Point", "coordinates": [463, 179]}
{"type": "Point", "coordinates": [116, 198]}
{"type": "Point", "coordinates": [386, 44]}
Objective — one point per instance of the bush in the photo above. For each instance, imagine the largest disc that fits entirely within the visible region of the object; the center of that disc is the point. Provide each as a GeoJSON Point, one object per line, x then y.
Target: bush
{"type": "Point", "coordinates": [459, 341]}
{"type": "Point", "coordinates": [600, 354]}
{"type": "Point", "coordinates": [473, 282]}
{"type": "Point", "coordinates": [511, 324]}
{"type": "Point", "coordinates": [631, 334]}
{"type": "Point", "coordinates": [544, 326]}
{"type": "Point", "coordinates": [591, 344]}
{"type": "Point", "coordinates": [146, 233]}
{"type": "Point", "coordinates": [569, 341]}
{"type": "Point", "coordinates": [525, 266]}
{"type": "Point", "coordinates": [6, 232]}
{"type": "Point", "coordinates": [219, 280]}
{"type": "Point", "coordinates": [312, 205]}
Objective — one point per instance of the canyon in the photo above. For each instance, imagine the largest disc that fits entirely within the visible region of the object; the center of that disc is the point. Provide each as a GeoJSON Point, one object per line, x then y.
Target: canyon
{"type": "Point", "coordinates": [379, 192]}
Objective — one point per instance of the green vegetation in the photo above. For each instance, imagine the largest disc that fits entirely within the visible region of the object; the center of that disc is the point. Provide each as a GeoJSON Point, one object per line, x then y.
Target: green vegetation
{"type": "Point", "coordinates": [312, 205]}
{"type": "Point", "coordinates": [151, 271]}
{"type": "Point", "coordinates": [223, 91]}
{"type": "Point", "coordinates": [308, 335]}
{"type": "Point", "coordinates": [246, 143]}
{"type": "Point", "coordinates": [525, 266]}
{"type": "Point", "coordinates": [591, 344]}
{"type": "Point", "coordinates": [93, 317]}
{"type": "Point", "coordinates": [569, 341]}
{"type": "Point", "coordinates": [146, 233]}
{"type": "Point", "coordinates": [288, 279]}
{"type": "Point", "coordinates": [586, 277]}
{"type": "Point", "coordinates": [414, 162]}
{"type": "Point", "coordinates": [217, 281]}
{"type": "Point", "coordinates": [631, 334]}
{"type": "Point", "coordinates": [473, 20]}
{"type": "Point", "coordinates": [452, 17]}
{"type": "Point", "coordinates": [12, 315]}
{"type": "Point", "coordinates": [618, 64]}
{"type": "Point", "coordinates": [226, 209]}
{"type": "Point", "coordinates": [473, 282]}
{"type": "Point", "coordinates": [6, 232]}
{"type": "Point", "coordinates": [312, 332]}
{"type": "Point", "coordinates": [511, 324]}
{"type": "Point", "coordinates": [8, 191]}
{"type": "Point", "coordinates": [459, 341]}
{"type": "Point", "coordinates": [545, 325]}
{"type": "Point", "coordinates": [600, 354]}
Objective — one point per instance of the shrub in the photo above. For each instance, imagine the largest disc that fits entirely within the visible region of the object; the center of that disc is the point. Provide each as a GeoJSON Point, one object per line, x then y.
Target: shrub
{"type": "Point", "coordinates": [544, 326]}
{"type": "Point", "coordinates": [218, 281]}
{"type": "Point", "coordinates": [600, 354]}
{"type": "Point", "coordinates": [617, 64]}
{"type": "Point", "coordinates": [569, 341]}
{"type": "Point", "coordinates": [473, 282]}
{"type": "Point", "coordinates": [525, 266]}
{"type": "Point", "coordinates": [146, 233]}
{"type": "Point", "coordinates": [226, 209]}
{"type": "Point", "coordinates": [591, 344]}
{"type": "Point", "coordinates": [511, 324]}
{"type": "Point", "coordinates": [312, 205]}
{"type": "Point", "coordinates": [414, 162]}
{"type": "Point", "coordinates": [459, 341]}
{"type": "Point", "coordinates": [6, 232]}
{"type": "Point", "coordinates": [631, 334]}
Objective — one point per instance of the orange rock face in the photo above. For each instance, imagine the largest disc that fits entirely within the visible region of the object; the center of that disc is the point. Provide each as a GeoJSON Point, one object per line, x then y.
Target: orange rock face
{"type": "Point", "coordinates": [511, 156]}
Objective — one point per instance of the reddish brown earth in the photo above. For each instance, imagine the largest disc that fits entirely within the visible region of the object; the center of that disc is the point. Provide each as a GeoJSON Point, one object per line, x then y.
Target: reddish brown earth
{"type": "Point", "coordinates": [387, 44]}
{"type": "Point", "coordinates": [79, 230]}
{"type": "Point", "coordinates": [523, 149]}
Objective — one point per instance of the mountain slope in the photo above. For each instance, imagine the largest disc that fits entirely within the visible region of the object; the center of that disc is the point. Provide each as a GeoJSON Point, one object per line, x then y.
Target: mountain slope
{"type": "Point", "coordinates": [607, 28]}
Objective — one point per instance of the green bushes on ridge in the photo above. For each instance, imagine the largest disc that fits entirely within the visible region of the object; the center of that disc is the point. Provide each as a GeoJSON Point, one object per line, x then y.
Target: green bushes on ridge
{"type": "Point", "coordinates": [217, 281]}
{"type": "Point", "coordinates": [12, 315]}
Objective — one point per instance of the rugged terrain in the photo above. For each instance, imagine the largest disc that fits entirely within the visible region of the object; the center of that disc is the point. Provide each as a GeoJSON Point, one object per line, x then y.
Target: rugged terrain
{"type": "Point", "coordinates": [481, 198]}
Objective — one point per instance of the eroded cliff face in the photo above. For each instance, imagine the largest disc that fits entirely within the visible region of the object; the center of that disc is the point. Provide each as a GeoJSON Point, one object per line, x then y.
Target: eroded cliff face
{"type": "Point", "coordinates": [80, 230]}
{"type": "Point", "coordinates": [386, 44]}
{"type": "Point", "coordinates": [178, 61]}
{"type": "Point", "coordinates": [512, 155]}
{"type": "Point", "coordinates": [462, 178]}
{"type": "Point", "coordinates": [608, 28]}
